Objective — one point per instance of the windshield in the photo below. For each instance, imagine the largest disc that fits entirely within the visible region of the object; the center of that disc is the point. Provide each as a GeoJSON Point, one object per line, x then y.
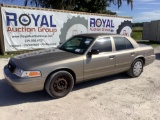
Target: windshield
{"type": "Point", "coordinates": [77, 44]}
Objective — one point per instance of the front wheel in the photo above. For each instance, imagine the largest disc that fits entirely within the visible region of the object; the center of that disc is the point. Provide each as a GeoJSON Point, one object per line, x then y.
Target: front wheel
{"type": "Point", "coordinates": [136, 68]}
{"type": "Point", "coordinates": [59, 84]}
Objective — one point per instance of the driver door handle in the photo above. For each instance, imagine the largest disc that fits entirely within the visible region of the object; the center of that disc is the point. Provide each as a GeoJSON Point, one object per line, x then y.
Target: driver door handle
{"type": "Point", "coordinates": [133, 53]}
{"type": "Point", "coordinates": [111, 57]}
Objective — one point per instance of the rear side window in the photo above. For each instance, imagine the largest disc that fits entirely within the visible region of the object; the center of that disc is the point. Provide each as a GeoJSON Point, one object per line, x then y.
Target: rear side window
{"type": "Point", "coordinates": [103, 45]}
{"type": "Point", "coordinates": [122, 43]}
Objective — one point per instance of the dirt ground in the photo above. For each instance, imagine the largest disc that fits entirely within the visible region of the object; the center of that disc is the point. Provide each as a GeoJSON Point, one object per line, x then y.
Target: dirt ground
{"type": "Point", "coordinates": [116, 97]}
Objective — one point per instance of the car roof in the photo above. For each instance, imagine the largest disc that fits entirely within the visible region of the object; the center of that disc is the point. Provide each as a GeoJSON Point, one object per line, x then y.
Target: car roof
{"type": "Point", "coordinates": [95, 35]}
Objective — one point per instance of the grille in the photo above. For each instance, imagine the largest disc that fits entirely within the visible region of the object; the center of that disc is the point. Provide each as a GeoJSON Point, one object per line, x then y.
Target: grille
{"type": "Point", "coordinates": [11, 66]}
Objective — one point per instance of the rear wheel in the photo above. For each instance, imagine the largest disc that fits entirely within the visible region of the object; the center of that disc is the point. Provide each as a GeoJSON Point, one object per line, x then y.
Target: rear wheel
{"type": "Point", "coordinates": [59, 84]}
{"type": "Point", "coordinates": [136, 68]}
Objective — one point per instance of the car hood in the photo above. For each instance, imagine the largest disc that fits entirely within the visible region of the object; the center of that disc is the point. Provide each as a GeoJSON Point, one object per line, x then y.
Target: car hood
{"type": "Point", "coordinates": [41, 57]}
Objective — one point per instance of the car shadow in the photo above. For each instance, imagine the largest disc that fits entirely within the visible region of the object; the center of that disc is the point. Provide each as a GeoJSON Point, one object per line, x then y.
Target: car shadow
{"type": "Point", "coordinates": [100, 81]}
{"type": "Point", "coordinates": [9, 96]}
{"type": "Point", "coordinates": [157, 56]}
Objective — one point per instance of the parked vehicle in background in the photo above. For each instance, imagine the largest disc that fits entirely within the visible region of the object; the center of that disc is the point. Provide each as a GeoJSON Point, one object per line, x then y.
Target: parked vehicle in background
{"type": "Point", "coordinates": [82, 57]}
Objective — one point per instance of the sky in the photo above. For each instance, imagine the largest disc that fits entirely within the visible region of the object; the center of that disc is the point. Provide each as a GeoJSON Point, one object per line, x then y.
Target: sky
{"type": "Point", "coordinates": [143, 10]}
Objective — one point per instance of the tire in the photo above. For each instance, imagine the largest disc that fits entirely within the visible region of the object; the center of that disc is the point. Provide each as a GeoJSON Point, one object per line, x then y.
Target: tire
{"type": "Point", "coordinates": [136, 68]}
{"type": "Point", "coordinates": [59, 84]}
{"type": "Point", "coordinates": [123, 25]}
{"type": "Point", "coordinates": [70, 22]}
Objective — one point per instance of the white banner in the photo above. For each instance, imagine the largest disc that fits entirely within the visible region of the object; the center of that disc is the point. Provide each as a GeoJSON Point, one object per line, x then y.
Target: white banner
{"type": "Point", "coordinates": [26, 29]}
{"type": "Point", "coordinates": [99, 24]}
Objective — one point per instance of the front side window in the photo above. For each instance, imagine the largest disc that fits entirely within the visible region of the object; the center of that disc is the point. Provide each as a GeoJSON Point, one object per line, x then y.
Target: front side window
{"type": "Point", "coordinates": [103, 45]}
{"type": "Point", "coordinates": [77, 44]}
{"type": "Point", "coordinates": [122, 43]}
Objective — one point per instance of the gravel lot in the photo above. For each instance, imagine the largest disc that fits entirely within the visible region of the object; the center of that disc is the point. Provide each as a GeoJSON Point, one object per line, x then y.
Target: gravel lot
{"type": "Point", "coordinates": [116, 97]}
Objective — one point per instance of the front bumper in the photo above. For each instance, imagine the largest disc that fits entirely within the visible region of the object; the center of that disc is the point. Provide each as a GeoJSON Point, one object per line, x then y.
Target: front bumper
{"type": "Point", "coordinates": [23, 84]}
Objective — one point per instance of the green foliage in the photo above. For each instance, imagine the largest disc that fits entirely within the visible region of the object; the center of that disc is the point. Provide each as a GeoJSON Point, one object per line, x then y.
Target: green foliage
{"type": "Point", "coordinates": [7, 55]}
{"type": "Point", "coordinates": [119, 2]}
{"type": "Point", "coordinates": [92, 6]}
{"type": "Point", "coordinates": [137, 35]}
{"type": "Point", "coordinates": [137, 28]}
{"type": "Point", "coordinates": [137, 24]}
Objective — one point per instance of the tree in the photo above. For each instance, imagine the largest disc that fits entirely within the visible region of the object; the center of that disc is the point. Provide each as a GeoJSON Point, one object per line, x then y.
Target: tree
{"type": "Point", "coordinates": [93, 6]}
{"type": "Point", "coordinates": [137, 24]}
{"type": "Point", "coordinates": [119, 2]}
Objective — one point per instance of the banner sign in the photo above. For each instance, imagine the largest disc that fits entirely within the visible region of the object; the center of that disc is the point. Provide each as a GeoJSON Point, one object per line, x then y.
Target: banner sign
{"type": "Point", "coordinates": [26, 29]}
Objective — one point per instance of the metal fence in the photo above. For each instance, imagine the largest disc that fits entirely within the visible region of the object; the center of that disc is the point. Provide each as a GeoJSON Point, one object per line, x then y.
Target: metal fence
{"type": "Point", "coordinates": [151, 31]}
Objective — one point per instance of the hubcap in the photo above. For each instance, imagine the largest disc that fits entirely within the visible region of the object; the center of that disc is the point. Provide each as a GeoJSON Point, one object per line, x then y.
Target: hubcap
{"type": "Point", "coordinates": [137, 69]}
{"type": "Point", "coordinates": [60, 84]}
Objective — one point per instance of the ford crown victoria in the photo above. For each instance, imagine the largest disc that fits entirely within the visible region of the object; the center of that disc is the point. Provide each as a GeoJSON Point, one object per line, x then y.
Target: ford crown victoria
{"type": "Point", "coordinates": [82, 57]}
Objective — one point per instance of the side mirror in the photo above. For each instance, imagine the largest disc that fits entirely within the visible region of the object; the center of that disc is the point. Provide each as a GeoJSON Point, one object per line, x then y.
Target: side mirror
{"type": "Point", "coordinates": [93, 52]}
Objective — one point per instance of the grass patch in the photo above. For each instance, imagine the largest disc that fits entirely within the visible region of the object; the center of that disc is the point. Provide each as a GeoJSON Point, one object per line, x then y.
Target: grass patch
{"type": "Point", "coordinates": [8, 55]}
{"type": "Point", "coordinates": [137, 35]}
{"type": "Point", "coordinates": [137, 28]}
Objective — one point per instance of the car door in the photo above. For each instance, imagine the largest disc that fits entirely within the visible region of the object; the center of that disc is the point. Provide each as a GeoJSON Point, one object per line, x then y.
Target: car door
{"type": "Point", "coordinates": [124, 54]}
{"type": "Point", "coordinates": [98, 65]}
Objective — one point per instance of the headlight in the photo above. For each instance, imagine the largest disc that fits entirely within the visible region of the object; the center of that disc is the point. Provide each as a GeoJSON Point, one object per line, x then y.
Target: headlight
{"type": "Point", "coordinates": [22, 73]}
